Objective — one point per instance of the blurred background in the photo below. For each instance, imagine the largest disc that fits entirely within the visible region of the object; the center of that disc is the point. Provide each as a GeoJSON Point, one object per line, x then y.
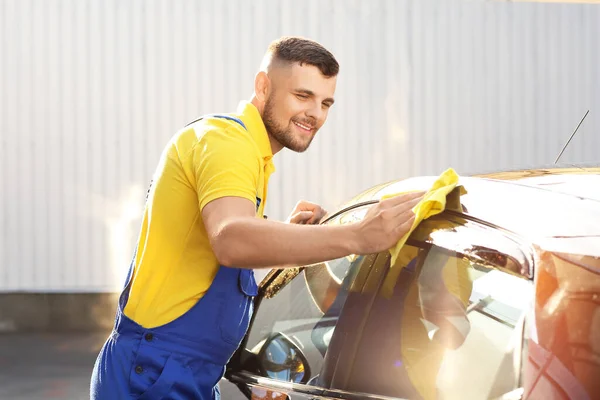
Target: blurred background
{"type": "Point", "coordinates": [91, 91]}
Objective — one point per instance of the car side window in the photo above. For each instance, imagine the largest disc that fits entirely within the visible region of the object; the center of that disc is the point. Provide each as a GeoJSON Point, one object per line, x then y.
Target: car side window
{"type": "Point", "coordinates": [446, 321]}
{"type": "Point", "coordinates": [302, 310]}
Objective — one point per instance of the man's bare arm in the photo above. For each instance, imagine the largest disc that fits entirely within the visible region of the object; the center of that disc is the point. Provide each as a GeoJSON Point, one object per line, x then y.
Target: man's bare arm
{"type": "Point", "coordinates": [240, 239]}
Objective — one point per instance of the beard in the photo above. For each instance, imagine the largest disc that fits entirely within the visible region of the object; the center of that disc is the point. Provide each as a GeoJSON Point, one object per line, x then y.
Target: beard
{"type": "Point", "coordinates": [284, 134]}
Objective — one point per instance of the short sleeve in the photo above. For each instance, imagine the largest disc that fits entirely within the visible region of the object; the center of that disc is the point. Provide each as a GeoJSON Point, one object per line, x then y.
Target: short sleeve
{"type": "Point", "coordinates": [225, 164]}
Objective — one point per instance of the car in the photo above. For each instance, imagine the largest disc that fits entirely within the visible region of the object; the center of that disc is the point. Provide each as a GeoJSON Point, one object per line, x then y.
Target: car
{"type": "Point", "coordinates": [498, 296]}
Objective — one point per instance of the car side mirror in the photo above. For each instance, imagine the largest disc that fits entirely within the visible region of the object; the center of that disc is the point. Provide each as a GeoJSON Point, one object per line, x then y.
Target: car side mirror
{"type": "Point", "coordinates": [282, 360]}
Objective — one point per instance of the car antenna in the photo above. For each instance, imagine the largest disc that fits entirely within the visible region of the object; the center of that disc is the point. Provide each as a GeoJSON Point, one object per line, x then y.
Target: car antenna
{"type": "Point", "coordinates": [569, 141]}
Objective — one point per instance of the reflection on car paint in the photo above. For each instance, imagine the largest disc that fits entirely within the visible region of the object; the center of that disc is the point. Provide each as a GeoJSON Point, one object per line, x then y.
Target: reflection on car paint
{"type": "Point", "coordinates": [564, 341]}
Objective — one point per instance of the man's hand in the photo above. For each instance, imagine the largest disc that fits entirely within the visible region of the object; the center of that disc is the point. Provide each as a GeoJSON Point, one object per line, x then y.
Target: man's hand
{"type": "Point", "coordinates": [306, 213]}
{"type": "Point", "coordinates": [387, 222]}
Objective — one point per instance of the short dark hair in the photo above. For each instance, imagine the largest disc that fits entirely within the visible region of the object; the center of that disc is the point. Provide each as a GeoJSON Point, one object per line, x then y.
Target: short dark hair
{"type": "Point", "coordinates": [304, 51]}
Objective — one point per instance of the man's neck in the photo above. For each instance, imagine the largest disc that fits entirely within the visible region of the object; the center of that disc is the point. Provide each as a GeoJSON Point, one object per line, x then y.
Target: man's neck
{"type": "Point", "coordinates": [275, 145]}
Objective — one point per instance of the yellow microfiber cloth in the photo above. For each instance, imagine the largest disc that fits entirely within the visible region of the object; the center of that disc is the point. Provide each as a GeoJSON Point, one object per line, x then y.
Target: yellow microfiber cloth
{"type": "Point", "coordinates": [434, 202]}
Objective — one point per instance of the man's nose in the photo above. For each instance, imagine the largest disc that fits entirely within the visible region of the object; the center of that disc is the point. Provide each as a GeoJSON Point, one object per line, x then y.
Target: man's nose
{"type": "Point", "coordinates": [316, 113]}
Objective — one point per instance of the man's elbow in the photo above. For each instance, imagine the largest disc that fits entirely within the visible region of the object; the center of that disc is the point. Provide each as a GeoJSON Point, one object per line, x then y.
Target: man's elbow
{"type": "Point", "coordinates": [223, 252]}
{"type": "Point", "coordinates": [225, 248]}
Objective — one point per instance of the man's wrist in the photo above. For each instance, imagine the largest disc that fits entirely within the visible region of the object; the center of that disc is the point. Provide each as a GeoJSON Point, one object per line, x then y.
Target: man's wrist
{"type": "Point", "coordinates": [351, 238]}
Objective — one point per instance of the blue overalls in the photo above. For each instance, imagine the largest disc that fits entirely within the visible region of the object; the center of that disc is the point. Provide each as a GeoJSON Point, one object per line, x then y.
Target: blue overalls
{"type": "Point", "coordinates": [183, 359]}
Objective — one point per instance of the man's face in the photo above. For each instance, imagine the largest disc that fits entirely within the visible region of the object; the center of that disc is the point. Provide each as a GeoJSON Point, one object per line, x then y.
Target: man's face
{"type": "Point", "coordinates": [298, 105]}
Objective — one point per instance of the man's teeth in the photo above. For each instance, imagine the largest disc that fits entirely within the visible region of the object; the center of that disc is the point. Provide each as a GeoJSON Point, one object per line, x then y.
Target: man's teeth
{"type": "Point", "coordinates": [308, 128]}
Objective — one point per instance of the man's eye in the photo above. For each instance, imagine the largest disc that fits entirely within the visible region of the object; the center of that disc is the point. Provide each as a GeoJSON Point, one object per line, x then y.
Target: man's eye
{"type": "Point", "coordinates": [302, 96]}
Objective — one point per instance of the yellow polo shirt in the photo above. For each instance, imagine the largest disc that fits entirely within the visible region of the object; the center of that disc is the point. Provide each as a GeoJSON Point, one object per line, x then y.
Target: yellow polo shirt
{"type": "Point", "coordinates": [212, 158]}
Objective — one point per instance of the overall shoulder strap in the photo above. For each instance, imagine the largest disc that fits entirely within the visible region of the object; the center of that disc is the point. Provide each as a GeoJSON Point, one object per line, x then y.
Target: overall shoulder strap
{"type": "Point", "coordinates": [239, 121]}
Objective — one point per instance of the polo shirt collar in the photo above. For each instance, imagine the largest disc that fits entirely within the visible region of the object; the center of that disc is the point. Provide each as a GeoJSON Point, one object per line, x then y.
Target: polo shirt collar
{"type": "Point", "coordinates": [250, 116]}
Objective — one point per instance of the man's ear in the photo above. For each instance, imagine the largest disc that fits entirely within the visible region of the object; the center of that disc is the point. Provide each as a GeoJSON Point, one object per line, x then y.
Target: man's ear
{"type": "Point", "coordinates": [262, 86]}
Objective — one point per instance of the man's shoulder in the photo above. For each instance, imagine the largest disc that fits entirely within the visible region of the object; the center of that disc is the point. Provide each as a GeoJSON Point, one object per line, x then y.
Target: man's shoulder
{"type": "Point", "coordinates": [214, 135]}
{"type": "Point", "coordinates": [214, 129]}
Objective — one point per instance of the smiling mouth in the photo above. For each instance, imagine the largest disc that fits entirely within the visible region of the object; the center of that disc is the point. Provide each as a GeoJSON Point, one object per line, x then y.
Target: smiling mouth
{"type": "Point", "coordinates": [305, 128]}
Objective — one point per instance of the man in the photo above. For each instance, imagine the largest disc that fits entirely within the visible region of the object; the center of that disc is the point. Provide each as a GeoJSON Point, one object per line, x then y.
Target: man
{"type": "Point", "coordinates": [188, 299]}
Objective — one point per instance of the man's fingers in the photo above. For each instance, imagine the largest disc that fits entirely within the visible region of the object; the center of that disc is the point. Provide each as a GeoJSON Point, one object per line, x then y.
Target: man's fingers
{"type": "Point", "coordinates": [301, 217]}
{"type": "Point", "coordinates": [304, 205]}
{"type": "Point", "coordinates": [318, 215]}
{"type": "Point", "coordinates": [404, 207]}
{"type": "Point", "coordinates": [313, 220]}
{"type": "Point", "coordinates": [306, 213]}
{"type": "Point", "coordinates": [405, 227]}
{"type": "Point", "coordinates": [403, 198]}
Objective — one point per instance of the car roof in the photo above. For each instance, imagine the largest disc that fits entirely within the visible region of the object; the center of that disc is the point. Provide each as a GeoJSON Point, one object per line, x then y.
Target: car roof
{"type": "Point", "coordinates": [539, 204]}
{"type": "Point", "coordinates": [577, 181]}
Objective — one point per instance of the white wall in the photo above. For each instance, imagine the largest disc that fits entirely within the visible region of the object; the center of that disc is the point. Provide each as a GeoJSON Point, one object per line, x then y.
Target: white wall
{"type": "Point", "coordinates": [91, 90]}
